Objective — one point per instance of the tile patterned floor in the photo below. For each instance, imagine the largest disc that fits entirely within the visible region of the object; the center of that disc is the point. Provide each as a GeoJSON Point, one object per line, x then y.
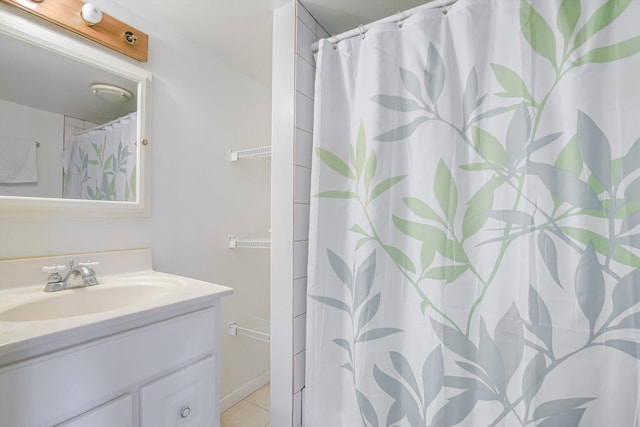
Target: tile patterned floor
{"type": "Point", "coordinates": [253, 411]}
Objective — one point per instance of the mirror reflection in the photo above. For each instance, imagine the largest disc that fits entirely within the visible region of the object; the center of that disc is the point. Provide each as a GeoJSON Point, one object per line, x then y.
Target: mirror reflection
{"type": "Point", "coordinates": [67, 129]}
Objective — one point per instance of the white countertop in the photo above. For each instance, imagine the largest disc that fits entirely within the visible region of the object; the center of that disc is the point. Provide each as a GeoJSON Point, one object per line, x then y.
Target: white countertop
{"type": "Point", "coordinates": [21, 340]}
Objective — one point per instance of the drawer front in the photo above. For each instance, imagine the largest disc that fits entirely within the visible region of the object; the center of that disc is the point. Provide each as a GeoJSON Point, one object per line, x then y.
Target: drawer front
{"type": "Point", "coordinates": [183, 399]}
{"type": "Point", "coordinates": [117, 413]}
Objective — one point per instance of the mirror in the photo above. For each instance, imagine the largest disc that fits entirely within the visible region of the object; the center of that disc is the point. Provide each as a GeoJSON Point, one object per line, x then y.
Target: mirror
{"type": "Point", "coordinates": [72, 125]}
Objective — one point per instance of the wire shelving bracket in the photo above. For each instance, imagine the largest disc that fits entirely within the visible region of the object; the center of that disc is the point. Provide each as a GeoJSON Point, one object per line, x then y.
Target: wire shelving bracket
{"type": "Point", "coordinates": [256, 328]}
{"type": "Point", "coordinates": [235, 243]}
{"type": "Point", "coordinates": [259, 153]}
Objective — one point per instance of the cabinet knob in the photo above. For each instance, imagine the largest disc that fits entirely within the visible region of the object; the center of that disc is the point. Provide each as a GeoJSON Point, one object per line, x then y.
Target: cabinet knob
{"type": "Point", "coordinates": [185, 412]}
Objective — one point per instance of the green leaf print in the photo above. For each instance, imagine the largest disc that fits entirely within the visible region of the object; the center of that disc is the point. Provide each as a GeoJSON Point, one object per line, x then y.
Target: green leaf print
{"type": "Point", "coordinates": [489, 146]}
{"type": "Point", "coordinates": [384, 186]}
{"type": "Point", "coordinates": [400, 258]}
{"type": "Point", "coordinates": [512, 83]}
{"type": "Point", "coordinates": [601, 245]}
{"type": "Point", "coordinates": [518, 134]}
{"type": "Point", "coordinates": [361, 150]}
{"type": "Point", "coordinates": [447, 273]}
{"type": "Point", "coordinates": [604, 16]}
{"type": "Point", "coordinates": [370, 170]}
{"type": "Point", "coordinates": [427, 255]}
{"type": "Point", "coordinates": [610, 53]}
{"type": "Point", "coordinates": [334, 162]}
{"type": "Point", "coordinates": [337, 195]}
{"type": "Point", "coordinates": [446, 191]}
{"type": "Point", "coordinates": [568, 16]}
{"type": "Point", "coordinates": [421, 209]}
{"type": "Point", "coordinates": [569, 158]}
{"type": "Point", "coordinates": [537, 32]}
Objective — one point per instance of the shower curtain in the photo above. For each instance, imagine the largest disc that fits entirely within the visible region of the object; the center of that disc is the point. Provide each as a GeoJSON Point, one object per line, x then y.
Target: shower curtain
{"type": "Point", "coordinates": [100, 163]}
{"type": "Point", "coordinates": [474, 239]}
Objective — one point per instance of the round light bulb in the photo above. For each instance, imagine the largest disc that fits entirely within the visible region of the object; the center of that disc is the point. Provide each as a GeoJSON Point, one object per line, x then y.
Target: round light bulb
{"type": "Point", "coordinates": [91, 14]}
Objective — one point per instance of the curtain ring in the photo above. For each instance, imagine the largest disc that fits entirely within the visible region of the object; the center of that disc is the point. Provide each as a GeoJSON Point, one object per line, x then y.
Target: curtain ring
{"type": "Point", "coordinates": [362, 31]}
{"type": "Point", "coordinates": [334, 41]}
{"type": "Point", "coordinates": [399, 19]}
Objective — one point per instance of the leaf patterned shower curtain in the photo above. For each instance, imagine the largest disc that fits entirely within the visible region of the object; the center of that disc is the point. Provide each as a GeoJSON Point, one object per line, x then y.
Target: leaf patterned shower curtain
{"type": "Point", "coordinates": [474, 240]}
{"type": "Point", "coordinates": [101, 163]}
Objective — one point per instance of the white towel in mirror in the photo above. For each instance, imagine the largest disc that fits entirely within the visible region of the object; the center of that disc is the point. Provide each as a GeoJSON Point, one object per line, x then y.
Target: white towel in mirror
{"type": "Point", "coordinates": [18, 160]}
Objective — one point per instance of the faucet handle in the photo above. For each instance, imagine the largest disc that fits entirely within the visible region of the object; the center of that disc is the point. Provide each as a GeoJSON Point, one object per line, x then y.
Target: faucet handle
{"type": "Point", "coordinates": [89, 263]}
{"type": "Point", "coordinates": [55, 268]}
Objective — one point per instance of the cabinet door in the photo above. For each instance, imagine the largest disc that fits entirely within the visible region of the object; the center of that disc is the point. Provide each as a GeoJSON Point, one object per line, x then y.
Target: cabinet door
{"type": "Point", "coordinates": [183, 399]}
{"type": "Point", "coordinates": [117, 413]}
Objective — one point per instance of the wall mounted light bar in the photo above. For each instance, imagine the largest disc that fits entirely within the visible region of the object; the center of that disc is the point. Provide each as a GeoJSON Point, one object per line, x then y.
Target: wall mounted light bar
{"type": "Point", "coordinates": [90, 23]}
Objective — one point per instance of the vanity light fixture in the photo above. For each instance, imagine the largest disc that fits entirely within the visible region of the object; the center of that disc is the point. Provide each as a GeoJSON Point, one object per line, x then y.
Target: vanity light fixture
{"type": "Point", "coordinates": [90, 13]}
{"type": "Point", "coordinates": [87, 20]}
{"type": "Point", "coordinates": [110, 93]}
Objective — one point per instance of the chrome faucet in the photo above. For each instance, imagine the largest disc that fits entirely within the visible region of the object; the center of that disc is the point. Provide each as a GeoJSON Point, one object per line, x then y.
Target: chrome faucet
{"type": "Point", "coordinates": [77, 276]}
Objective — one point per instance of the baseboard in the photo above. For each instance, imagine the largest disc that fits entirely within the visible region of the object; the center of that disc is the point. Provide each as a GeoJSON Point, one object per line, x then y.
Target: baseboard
{"type": "Point", "coordinates": [247, 388]}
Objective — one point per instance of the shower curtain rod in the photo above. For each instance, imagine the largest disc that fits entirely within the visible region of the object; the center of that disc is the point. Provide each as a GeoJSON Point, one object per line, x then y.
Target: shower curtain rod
{"type": "Point", "coordinates": [399, 17]}
{"type": "Point", "coordinates": [105, 125]}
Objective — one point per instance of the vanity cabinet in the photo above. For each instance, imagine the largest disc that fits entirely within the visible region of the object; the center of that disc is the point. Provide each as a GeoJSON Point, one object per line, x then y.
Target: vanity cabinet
{"type": "Point", "coordinates": [162, 374]}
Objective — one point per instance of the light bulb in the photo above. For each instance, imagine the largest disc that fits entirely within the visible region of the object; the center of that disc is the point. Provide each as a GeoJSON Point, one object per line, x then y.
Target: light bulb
{"type": "Point", "coordinates": [91, 14]}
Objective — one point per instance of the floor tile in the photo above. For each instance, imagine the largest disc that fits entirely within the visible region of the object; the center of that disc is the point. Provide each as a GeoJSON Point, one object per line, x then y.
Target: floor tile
{"type": "Point", "coordinates": [261, 397]}
{"type": "Point", "coordinates": [245, 414]}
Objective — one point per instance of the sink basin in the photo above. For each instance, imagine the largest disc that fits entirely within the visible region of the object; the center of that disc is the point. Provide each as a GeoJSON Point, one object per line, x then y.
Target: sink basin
{"type": "Point", "coordinates": [108, 296]}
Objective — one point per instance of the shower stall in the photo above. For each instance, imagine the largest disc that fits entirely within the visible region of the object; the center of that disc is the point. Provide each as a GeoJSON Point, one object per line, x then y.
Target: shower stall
{"type": "Point", "coordinates": [472, 198]}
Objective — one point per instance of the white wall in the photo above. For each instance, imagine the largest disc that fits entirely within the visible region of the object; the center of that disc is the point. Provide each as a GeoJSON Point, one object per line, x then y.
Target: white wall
{"type": "Point", "coordinates": [200, 109]}
{"type": "Point", "coordinates": [44, 127]}
{"type": "Point", "coordinates": [283, 106]}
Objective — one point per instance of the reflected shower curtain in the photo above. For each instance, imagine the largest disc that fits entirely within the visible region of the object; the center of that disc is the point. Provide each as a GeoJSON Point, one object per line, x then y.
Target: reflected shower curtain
{"type": "Point", "coordinates": [101, 163]}
{"type": "Point", "coordinates": [474, 239]}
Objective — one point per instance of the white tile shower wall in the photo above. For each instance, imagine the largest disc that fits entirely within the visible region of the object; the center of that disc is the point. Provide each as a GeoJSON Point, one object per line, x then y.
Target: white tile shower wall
{"type": "Point", "coordinates": [294, 32]}
{"type": "Point", "coordinates": [302, 184]}
{"type": "Point", "coordinates": [73, 126]}
{"type": "Point", "coordinates": [299, 362]}
{"type": "Point", "coordinates": [299, 334]}
{"type": "Point", "coordinates": [297, 409]}
{"type": "Point", "coordinates": [300, 296]}
{"type": "Point", "coordinates": [304, 143]}
{"type": "Point", "coordinates": [306, 34]}
{"type": "Point", "coordinates": [301, 226]}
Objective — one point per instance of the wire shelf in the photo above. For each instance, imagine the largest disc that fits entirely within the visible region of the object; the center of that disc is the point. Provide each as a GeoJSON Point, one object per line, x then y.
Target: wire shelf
{"type": "Point", "coordinates": [256, 328]}
{"type": "Point", "coordinates": [259, 153]}
{"type": "Point", "coordinates": [235, 243]}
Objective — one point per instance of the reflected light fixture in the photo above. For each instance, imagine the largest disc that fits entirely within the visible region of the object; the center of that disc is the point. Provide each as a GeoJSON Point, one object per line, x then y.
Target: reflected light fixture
{"type": "Point", "coordinates": [90, 13]}
{"type": "Point", "coordinates": [110, 93]}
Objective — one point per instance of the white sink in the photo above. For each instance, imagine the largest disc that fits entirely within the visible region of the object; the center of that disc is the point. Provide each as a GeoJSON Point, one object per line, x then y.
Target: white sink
{"type": "Point", "coordinates": [130, 295]}
{"type": "Point", "coordinates": [112, 295]}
